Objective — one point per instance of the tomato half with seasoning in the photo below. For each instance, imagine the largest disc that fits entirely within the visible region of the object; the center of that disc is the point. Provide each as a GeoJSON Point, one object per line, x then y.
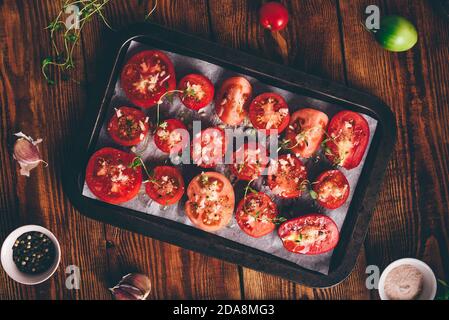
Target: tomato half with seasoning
{"type": "Point", "coordinates": [269, 111]}
{"type": "Point", "coordinates": [209, 147]}
{"type": "Point", "coordinates": [111, 177]}
{"type": "Point", "coordinates": [210, 202]}
{"type": "Point", "coordinates": [165, 185]}
{"type": "Point", "coordinates": [249, 161]}
{"type": "Point", "coordinates": [128, 126]}
{"type": "Point", "coordinates": [197, 91]}
{"type": "Point", "coordinates": [256, 214]}
{"type": "Point", "coordinates": [171, 136]}
{"type": "Point", "coordinates": [306, 131]}
{"type": "Point", "coordinates": [310, 235]}
{"type": "Point", "coordinates": [286, 176]}
{"type": "Point", "coordinates": [348, 136]}
{"type": "Point", "coordinates": [332, 189]}
{"type": "Point", "coordinates": [147, 76]}
{"type": "Point", "coordinates": [232, 100]}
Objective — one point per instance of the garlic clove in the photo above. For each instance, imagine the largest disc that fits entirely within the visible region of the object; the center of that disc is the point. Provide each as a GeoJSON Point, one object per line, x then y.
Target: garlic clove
{"type": "Point", "coordinates": [123, 294]}
{"type": "Point", "coordinates": [133, 286]}
{"type": "Point", "coordinates": [27, 153]}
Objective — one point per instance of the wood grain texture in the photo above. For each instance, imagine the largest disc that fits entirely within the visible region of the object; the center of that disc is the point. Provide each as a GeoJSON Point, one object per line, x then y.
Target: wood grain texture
{"type": "Point", "coordinates": [28, 104]}
{"type": "Point", "coordinates": [324, 38]}
{"type": "Point", "coordinates": [413, 202]}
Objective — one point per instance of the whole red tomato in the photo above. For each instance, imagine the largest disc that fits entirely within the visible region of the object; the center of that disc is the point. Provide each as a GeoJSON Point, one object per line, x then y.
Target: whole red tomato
{"type": "Point", "coordinates": [273, 16]}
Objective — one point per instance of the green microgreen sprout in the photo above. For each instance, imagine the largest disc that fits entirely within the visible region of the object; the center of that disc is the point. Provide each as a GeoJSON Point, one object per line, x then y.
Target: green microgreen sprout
{"type": "Point", "coordinates": [443, 290]}
{"type": "Point", "coordinates": [306, 186]}
{"type": "Point", "coordinates": [63, 58]}
{"type": "Point", "coordinates": [138, 162]}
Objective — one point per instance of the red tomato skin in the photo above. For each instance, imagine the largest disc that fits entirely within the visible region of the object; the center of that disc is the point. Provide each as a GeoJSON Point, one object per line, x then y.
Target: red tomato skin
{"type": "Point", "coordinates": [196, 140]}
{"type": "Point", "coordinates": [228, 113]}
{"type": "Point", "coordinates": [273, 16]}
{"type": "Point", "coordinates": [273, 184]}
{"type": "Point", "coordinates": [309, 118]}
{"type": "Point", "coordinates": [341, 182]}
{"type": "Point", "coordinates": [253, 111]}
{"type": "Point", "coordinates": [139, 115]}
{"type": "Point", "coordinates": [353, 160]}
{"type": "Point", "coordinates": [207, 86]}
{"type": "Point", "coordinates": [170, 83]}
{"type": "Point", "coordinates": [244, 175]}
{"type": "Point", "coordinates": [173, 124]}
{"type": "Point", "coordinates": [172, 172]}
{"type": "Point", "coordinates": [117, 154]}
{"type": "Point", "coordinates": [284, 228]}
{"type": "Point", "coordinates": [258, 232]}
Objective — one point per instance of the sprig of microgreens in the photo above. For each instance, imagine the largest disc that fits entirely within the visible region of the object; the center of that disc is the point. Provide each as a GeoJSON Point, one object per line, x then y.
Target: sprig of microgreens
{"type": "Point", "coordinates": [163, 125]}
{"type": "Point", "coordinates": [169, 95]}
{"type": "Point", "coordinates": [443, 292]}
{"type": "Point", "coordinates": [276, 220]}
{"type": "Point", "coordinates": [70, 36]}
{"type": "Point", "coordinates": [306, 186]}
{"type": "Point", "coordinates": [148, 16]}
{"type": "Point", "coordinates": [300, 137]}
{"type": "Point", "coordinates": [249, 188]}
{"type": "Point", "coordinates": [328, 151]}
{"type": "Point", "coordinates": [138, 162]}
{"type": "Point", "coordinates": [299, 239]}
{"type": "Point", "coordinates": [204, 178]}
{"type": "Point", "coordinates": [63, 59]}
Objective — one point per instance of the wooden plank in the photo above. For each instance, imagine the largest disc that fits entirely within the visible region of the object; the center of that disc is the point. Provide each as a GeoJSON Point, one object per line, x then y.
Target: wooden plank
{"type": "Point", "coordinates": [176, 273]}
{"type": "Point", "coordinates": [412, 209]}
{"type": "Point", "coordinates": [28, 104]}
{"type": "Point", "coordinates": [312, 48]}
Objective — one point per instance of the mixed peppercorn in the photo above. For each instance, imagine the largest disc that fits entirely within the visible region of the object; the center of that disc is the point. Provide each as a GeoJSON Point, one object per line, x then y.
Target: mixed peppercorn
{"type": "Point", "coordinates": [33, 252]}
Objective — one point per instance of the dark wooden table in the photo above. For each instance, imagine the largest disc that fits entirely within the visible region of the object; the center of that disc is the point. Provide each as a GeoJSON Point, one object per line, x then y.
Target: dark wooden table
{"type": "Point", "coordinates": [325, 38]}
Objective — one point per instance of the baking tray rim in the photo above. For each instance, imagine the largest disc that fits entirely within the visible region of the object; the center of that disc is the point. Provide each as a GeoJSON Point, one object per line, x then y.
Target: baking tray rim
{"type": "Point", "coordinates": [194, 239]}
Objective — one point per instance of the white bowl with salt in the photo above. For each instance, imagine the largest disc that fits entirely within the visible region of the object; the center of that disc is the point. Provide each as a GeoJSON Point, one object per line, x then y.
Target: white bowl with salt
{"type": "Point", "coordinates": [407, 279]}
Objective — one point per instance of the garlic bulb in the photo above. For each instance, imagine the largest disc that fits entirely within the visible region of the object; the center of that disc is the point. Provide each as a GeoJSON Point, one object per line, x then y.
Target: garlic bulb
{"type": "Point", "coordinates": [27, 153]}
{"type": "Point", "coordinates": [133, 286]}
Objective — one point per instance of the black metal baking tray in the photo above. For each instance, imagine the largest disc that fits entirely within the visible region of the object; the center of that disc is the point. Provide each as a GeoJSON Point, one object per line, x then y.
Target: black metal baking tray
{"type": "Point", "coordinates": [357, 220]}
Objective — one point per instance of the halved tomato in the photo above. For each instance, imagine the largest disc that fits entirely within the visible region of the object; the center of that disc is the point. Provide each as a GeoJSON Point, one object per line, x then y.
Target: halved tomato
{"type": "Point", "coordinates": [306, 131]}
{"type": "Point", "coordinates": [310, 235]}
{"type": "Point", "coordinates": [209, 147]}
{"type": "Point", "coordinates": [255, 214]}
{"type": "Point", "coordinates": [210, 201]}
{"type": "Point", "coordinates": [348, 139]}
{"type": "Point", "coordinates": [147, 76]}
{"type": "Point", "coordinates": [171, 136]}
{"type": "Point", "coordinates": [197, 91]}
{"type": "Point", "coordinates": [249, 161]}
{"type": "Point", "coordinates": [286, 176]}
{"type": "Point", "coordinates": [110, 177]}
{"type": "Point", "coordinates": [128, 126]}
{"type": "Point", "coordinates": [332, 189]}
{"type": "Point", "coordinates": [269, 111]}
{"type": "Point", "coordinates": [232, 100]}
{"type": "Point", "coordinates": [165, 185]}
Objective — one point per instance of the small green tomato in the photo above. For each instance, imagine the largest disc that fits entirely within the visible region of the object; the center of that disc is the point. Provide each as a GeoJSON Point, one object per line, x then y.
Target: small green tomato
{"type": "Point", "coordinates": [396, 34]}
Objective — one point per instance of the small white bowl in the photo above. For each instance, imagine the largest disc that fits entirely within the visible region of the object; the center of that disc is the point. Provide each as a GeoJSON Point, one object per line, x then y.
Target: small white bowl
{"type": "Point", "coordinates": [11, 268]}
{"type": "Point", "coordinates": [430, 282]}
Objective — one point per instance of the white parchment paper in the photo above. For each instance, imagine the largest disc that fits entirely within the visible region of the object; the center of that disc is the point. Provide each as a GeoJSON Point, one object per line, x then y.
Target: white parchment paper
{"type": "Point", "coordinates": [287, 208]}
